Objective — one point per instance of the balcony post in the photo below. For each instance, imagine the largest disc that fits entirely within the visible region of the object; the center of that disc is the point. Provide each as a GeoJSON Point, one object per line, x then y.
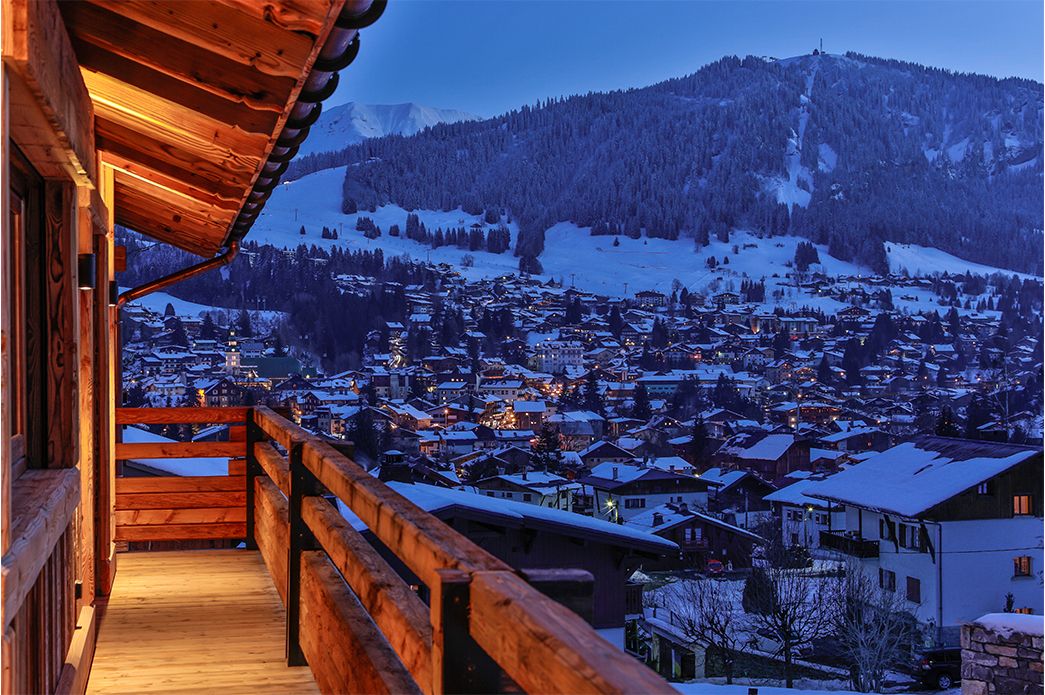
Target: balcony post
{"type": "Point", "coordinates": [302, 484]}
{"type": "Point", "coordinates": [254, 435]}
{"type": "Point", "coordinates": [459, 665]}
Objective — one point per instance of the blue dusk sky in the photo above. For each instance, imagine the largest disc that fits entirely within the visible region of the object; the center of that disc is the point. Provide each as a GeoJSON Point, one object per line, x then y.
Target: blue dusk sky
{"type": "Point", "coordinates": [489, 56]}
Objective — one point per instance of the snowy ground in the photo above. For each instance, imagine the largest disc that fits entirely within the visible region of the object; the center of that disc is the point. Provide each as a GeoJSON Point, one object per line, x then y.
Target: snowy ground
{"type": "Point", "coordinates": [577, 258]}
{"type": "Point", "coordinates": [158, 301]}
{"type": "Point", "coordinates": [741, 686]}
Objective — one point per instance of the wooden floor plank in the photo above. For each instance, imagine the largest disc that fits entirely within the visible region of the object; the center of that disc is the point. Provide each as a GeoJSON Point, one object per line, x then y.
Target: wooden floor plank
{"type": "Point", "coordinates": [194, 621]}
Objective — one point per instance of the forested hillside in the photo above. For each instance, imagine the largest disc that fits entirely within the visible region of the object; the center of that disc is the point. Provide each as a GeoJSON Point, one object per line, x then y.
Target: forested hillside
{"type": "Point", "coordinates": [849, 151]}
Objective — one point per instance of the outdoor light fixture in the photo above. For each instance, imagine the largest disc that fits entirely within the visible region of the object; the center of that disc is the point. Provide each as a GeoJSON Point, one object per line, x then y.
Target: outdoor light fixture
{"type": "Point", "coordinates": [87, 270]}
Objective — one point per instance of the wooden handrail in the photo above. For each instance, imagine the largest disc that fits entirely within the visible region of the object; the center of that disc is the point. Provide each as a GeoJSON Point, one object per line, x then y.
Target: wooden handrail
{"type": "Point", "coordinates": [476, 599]}
{"type": "Point", "coordinates": [179, 416]}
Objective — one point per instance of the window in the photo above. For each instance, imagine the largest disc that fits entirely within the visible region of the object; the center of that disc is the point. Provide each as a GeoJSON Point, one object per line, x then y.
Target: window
{"type": "Point", "coordinates": [983, 489]}
{"type": "Point", "coordinates": [527, 497]}
{"type": "Point", "coordinates": [1021, 566]}
{"type": "Point", "coordinates": [1020, 505]}
{"type": "Point", "coordinates": [903, 536]}
{"type": "Point", "coordinates": [489, 493]}
{"type": "Point", "coordinates": [1023, 611]}
{"type": "Point", "coordinates": [886, 529]}
{"type": "Point", "coordinates": [887, 579]}
{"type": "Point", "coordinates": [914, 590]}
{"type": "Point", "coordinates": [692, 534]}
{"type": "Point", "coordinates": [635, 503]}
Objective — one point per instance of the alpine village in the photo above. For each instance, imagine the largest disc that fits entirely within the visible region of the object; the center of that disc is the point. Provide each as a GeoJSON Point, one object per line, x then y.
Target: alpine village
{"type": "Point", "coordinates": [517, 484]}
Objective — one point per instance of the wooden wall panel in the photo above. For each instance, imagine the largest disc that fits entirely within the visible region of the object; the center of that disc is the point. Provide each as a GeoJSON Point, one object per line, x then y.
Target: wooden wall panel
{"type": "Point", "coordinates": [60, 262]}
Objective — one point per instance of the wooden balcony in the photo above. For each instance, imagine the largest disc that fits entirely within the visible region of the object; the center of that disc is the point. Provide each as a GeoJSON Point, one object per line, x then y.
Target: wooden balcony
{"type": "Point", "coordinates": [848, 544]}
{"type": "Point", "coordinates": [309, 590]}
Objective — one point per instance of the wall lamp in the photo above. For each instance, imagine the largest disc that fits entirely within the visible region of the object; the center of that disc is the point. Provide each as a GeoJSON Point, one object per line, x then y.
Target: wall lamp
{"type": "Point", "coordinates": [87, 270]}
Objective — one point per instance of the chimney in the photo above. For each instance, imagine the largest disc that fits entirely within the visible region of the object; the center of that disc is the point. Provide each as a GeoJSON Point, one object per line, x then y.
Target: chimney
{"type": "Point", "coordinates": [616, 472]}
{"type": "Point", "coordinates": [683, 508]}
{"type": "Point", "coordinates": [658, 518]}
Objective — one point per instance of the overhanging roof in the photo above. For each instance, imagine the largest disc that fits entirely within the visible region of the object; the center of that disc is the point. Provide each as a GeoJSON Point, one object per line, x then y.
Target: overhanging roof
{"type": "Point", "coordinates": [200, 104]}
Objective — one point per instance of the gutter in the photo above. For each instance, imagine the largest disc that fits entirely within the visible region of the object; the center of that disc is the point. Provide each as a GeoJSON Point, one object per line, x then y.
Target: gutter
{"type": "Point", "coordinates": [224, 258]}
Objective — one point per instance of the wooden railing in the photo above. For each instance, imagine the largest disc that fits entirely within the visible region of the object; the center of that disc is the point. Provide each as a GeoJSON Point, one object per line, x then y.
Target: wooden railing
{"type": "Point", "coordinates": [361, 627]}
{"type": "Point", "coordinates": [196, 507]}
{"type": "Point", "coordinates": [465, 622]}
{"type": "Point", "coordinates": [863, 548]}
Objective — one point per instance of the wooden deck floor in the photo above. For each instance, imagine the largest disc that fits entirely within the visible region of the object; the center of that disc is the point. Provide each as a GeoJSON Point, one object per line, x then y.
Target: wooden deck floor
{"type": "Point", "coordinates": [194, 621]}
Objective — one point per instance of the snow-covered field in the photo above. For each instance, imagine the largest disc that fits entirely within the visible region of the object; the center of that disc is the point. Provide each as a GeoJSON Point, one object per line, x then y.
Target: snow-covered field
{"type": "Point", "coordinates": [575, 257]}
{"type": "Point", "coordinates": [158, 301]}
{"type": "Point", "coordinates": [914, 260]}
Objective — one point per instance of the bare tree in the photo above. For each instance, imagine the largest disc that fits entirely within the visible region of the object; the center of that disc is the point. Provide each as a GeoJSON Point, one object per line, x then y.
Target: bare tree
{"type": "Point", "coordinates": [794, 609]}
{"type": "Point", "coordinates": [873, 627]}
{"type": "Point", "coordinates": [708, 613]}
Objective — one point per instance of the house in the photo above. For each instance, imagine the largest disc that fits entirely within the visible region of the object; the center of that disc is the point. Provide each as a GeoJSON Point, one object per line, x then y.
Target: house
{"type": "Point", "coordinates": [604, 452]}
{"type": "Point", "coordinates": [771, 456]}
{"type": "Point", "coordinates": [954, 525]}
{"type": "Point", "coordinates": [556, 356]}
{"type": "Point", "coordinates": [700, 537]}
{"type": "Point", "coordinates": [740, 493]}
{"type": "Point", "coordinates": [530, 415]}
{"type": "Point", "coordinates": [622, 491]}
{"type": "Point", "coordinates": [857, 439]}
{"type": "Point", "coordinates": [531, 487]}
{"type": "Point", "coordinates": [802, 517]}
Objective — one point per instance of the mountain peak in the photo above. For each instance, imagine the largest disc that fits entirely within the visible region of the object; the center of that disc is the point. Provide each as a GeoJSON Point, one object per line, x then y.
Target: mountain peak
{"type": "Point", "coordinates": [353, 122]}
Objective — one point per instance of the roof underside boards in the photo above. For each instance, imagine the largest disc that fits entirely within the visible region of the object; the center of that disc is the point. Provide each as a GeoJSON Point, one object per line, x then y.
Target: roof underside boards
{"type": "Point", "coordinates": [189, 99]}
{"type": "Point", "coordinates": [915, 476]}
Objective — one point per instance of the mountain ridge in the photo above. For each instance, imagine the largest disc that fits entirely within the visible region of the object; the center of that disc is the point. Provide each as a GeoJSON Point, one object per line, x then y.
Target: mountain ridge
{"type": "Point", "coordinates": [849, 151]}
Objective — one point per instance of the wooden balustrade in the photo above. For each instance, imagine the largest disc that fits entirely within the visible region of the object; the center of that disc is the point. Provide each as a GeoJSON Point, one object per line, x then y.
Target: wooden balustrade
{"type": "Point", "coordinates": [350, 616]}
{"type": "Point", "coordinates": [359, 625]}
{"type": "Point", "coordinates": [183, 508]}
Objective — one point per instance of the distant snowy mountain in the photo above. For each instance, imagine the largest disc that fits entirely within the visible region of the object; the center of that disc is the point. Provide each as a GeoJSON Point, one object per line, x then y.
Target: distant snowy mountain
{"type": "Point", "coordinates": [350, 123]}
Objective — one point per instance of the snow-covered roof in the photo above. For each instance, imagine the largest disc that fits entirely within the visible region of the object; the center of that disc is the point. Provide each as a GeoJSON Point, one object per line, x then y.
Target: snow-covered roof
{"type": "Point", "coordinates": [191, 466]}
{"type": "Point", "coordinates": [796, 494]}
{"type": "Point", "coordinates": [915, 476]}
{"type": "Point", "coordinates": [769, 448]}
{"type": "Point", "coordinates": [432, 499]}
{"type": "Point", "coordinates": [672, 515]}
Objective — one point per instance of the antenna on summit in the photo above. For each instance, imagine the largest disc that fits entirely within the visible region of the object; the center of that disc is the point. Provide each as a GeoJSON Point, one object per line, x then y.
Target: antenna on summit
{"type": "Point", "coordinates": [821, 45]}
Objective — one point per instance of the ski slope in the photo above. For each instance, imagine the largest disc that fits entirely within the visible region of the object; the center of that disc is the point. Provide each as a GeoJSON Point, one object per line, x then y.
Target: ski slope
{"type": "Point", "coordinates": [588, 262]}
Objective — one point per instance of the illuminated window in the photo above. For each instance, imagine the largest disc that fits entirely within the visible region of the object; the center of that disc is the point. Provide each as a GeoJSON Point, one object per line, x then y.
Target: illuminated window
{"type": "Point", "coordinates": [1021, 566]}
{"type": "Point", "coordinates": [1020, 505]}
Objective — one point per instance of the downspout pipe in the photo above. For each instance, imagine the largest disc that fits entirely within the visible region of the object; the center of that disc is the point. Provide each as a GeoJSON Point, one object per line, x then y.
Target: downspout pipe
{"type": "Point", "coordinates": [224, 258]}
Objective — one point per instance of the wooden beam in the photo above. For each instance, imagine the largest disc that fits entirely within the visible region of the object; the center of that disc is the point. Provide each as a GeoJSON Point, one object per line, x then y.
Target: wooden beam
{"type": "Point", "coordinates": [77, 669]}
{"type": "Point", "coordinates": [149, 80]}
{"type": "Point", "coordinates": [289, 15]}
{"type": "Point", "coordinates": [180, 416]}
{"type": "Point", "coordinates": [37, 47]}
{"type": "Point", "coordinates": [46, 501]}
{"type": "Point", "coordinates": [180, 500]}
{"type": "Point", "coordinates": [60, 246]}
{"type": "Point", "coordinates": [345, 650]}
{"type": "Point", "coordinates": [163, 517]}
{"type": "Point", "coordinates": [176, 483]}
{"type": "Point", "coordinates": [397, 611]}
{"type": "Point", "coordinates": [175, 450]}
{"type": "Point", "coordinates": [225, 31]}
{"type": "Point", "coordinates": [181, 532]}
{"type": "Point", "coordinates": [548, 648]}
{"type": "Point", "coordinates": [275, 466]}
{"type": "Point", "coordinates": [272, 531]}
{"type": "Point", "coordinates": [107, 29]}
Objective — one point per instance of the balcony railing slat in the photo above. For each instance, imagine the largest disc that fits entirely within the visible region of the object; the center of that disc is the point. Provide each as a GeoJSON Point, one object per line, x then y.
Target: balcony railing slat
{"type": "Point", "coordinates": [179, 416]}
{"type": "Point", "coordinates": [272, 531]}
{"type": "Point", "coordinates": [177, 450]}
{"type": "Point", "coordinates": [345, 650]}
{"type": "Point", "coordinates": [423, 542]}
{"type": "Point", "coordinates": [398, 611]}
{"type": "Point", "coordinates": [546, 649]}
{"type": "Point", "coordinates": [274, 465]}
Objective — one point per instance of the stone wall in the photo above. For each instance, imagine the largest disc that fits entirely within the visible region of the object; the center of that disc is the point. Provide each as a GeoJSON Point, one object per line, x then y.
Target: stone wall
{"type": "Point", "coordinates": [1002, 653]}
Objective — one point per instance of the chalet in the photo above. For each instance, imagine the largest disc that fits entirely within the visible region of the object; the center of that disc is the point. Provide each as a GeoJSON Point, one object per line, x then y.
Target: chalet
{"type": "Point", "coordinates": [857, 439]}
{"type": "Point", "coordinates": [177, 121]}
{"type": "Point", "coordinates": [770, 456]}
{"type": "Point", "coordinates": [738, 492]}
{"type": "Point", "coordinates": [531, 487]}
{"type": "Point", "coordinates": [530, 415]}
{"type": "Point", "coordinates": [604, 452]}
{"type": "Point", "coordinates": [954, 525]}
{"type": "Point", "coordinates": [650, 299]}
{"type": "Point", "coordinates": [622, 491]}
{"type": "Point", "coordinates": [699, 536]}
{"type": "Point", "coordinates": [219, 393]}
{"type": "Point", "coordinates": [801, 517]}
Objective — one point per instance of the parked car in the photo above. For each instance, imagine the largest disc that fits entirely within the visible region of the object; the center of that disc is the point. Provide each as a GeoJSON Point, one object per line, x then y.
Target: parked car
{"type": "Point", "coordinates": [940, 668]}
{"type": "Point", "coordinates": [715, 568]}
